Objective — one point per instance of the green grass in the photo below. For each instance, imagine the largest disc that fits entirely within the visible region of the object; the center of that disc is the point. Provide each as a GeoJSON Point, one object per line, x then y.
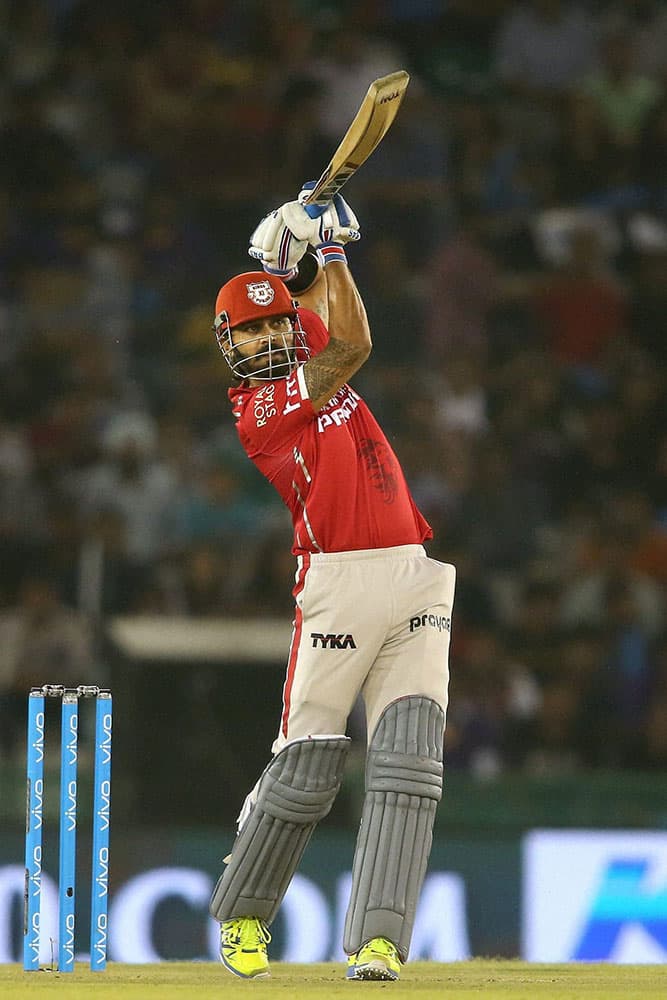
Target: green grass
{"type": "Point", "coordinates": [490, 979]}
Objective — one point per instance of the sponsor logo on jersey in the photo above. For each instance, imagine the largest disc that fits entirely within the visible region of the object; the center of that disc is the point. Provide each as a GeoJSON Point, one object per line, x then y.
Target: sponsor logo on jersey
{"type": "Point", "coordinates": [292, 390]}
{"type": "Point", "coordinates": [331, 641]}
{"type": "Point", "coordinates": [263, 403]}
{"type": "Point", "coordinates": [340, 408]}
{"type": "Point", "coordinates": [441, 622]}
{"type": "Point", "coordinates": [260, 292]}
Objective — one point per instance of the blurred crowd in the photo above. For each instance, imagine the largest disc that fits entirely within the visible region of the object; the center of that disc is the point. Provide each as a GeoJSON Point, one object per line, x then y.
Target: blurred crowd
{"type": "Point", "coordinates": [514, 267]}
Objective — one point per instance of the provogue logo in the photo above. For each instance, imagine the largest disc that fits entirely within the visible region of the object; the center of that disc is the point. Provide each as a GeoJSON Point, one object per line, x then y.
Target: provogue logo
{"type": "Point", "coordinates": [339, 409]}
{"type": "Point", "coordinates": [333, 641]}
{"type": "Point", "coordinates": [440, 622]}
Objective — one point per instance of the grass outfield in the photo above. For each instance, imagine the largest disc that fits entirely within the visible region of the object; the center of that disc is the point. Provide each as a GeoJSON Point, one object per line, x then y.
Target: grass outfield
{"type": "Point", "coordinates": [505, 980]}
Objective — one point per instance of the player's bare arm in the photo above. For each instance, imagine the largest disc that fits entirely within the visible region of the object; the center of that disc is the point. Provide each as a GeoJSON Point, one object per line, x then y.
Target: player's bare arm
{"type": "Point", "coordinates": [325, 374]}
{"type": "Point", "coordinates": [349, 338]}
{"type": "Point", "coordinates": [280, 242]}
{"type": "Point", "coordinates": [312, 295]}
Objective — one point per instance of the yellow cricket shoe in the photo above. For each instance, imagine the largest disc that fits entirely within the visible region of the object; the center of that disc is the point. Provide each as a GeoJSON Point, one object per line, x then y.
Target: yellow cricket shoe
{"type": "Point", "coordinates": [378, 959]}
{"type": "Point", "coordinates": [243, 944]}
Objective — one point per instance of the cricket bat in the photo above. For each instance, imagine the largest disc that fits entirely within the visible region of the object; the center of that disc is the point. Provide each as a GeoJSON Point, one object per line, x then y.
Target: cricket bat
{"type": "Point", "coordinates": [369, 126]}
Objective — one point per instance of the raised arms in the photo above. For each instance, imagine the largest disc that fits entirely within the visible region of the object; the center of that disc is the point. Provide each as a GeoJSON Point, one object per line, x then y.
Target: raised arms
{"type": "Point", "coordinates": [349, 337]}
{"type": "Point", "coordinates": [280, 242]}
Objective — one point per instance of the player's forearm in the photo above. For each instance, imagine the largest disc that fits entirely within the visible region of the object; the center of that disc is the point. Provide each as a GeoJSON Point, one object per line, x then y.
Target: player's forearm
{"type": "Point", "coordinates": [348, 321]}
{"type": "Point", "coordinates": [349, 338]}
{"type": "Point", "coordinates": [309, 287]}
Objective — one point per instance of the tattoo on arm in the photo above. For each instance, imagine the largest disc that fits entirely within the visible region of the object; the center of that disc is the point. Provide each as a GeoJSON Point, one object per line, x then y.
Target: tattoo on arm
{"type": "Point", "coordinates": [317, 305]}
{"type": "Point", "coordinates": [320, 307]}
{"type": "Point", "coordinates": [328, 371]}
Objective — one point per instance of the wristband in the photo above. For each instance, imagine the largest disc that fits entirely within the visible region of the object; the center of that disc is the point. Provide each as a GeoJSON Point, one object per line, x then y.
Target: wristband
{"type": "Point", "coordinates": [329, 252]}
{"type": "Point", "coordinates": [285, 275]}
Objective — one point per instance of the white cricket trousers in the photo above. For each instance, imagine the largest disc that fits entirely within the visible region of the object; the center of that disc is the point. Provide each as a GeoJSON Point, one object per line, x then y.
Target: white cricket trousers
{"type": "Point", "coordinates": [374, 622]}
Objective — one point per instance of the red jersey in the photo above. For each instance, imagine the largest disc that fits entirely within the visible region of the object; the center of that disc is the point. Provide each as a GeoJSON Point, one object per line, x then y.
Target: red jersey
{"type": "Point", "coordinates": [334, 469]}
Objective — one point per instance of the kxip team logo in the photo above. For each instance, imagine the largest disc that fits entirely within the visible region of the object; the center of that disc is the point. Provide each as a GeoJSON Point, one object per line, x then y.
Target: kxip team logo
{"type": "Point", "coordinates": [260, 292]}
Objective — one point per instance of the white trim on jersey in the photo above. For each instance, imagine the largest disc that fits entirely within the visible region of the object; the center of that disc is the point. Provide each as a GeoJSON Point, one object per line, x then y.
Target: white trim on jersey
{"type": "Point", "coordinates": [306, 519]}
{"type": "Point", "coordinates": [301, 379]}
{"type": "Point", "coordinates": [300, 460]}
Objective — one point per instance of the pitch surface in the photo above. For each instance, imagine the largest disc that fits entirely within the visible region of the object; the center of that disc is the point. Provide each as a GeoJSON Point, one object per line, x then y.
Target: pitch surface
{"type": "Point", "coordinates": [490, 979]}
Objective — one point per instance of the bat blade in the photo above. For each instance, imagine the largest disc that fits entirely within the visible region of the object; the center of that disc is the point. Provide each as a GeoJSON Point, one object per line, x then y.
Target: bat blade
{"type": "Point", "coordinates": [369, 126]}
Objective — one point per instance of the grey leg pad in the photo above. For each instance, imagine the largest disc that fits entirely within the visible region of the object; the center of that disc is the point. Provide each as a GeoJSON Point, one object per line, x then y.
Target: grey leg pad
{"type": "Point", "coordinates": [295, 792]}
{"type": "Point", "coordinates": [403, 787]}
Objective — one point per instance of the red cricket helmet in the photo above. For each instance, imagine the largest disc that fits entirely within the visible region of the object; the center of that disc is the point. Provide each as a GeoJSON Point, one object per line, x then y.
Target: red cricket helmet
{"type": "Point", "coordinates": [258, 295]}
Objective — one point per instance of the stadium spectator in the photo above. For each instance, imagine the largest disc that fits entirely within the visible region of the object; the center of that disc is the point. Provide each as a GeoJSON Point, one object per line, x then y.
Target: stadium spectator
{"type": "Point", "coordinates": [621, 94]}
{"type": "Point", "coordinates": [524, 271]}
{"type": "Point", "coordinates": [42, 640]}
{"type": "Point", "coordinates": [544, 46]}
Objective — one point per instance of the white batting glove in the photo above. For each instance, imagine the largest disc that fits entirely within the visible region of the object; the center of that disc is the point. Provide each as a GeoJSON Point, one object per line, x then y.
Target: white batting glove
{"type": "Point", "coordinates": [276, 246]}
{"type": "Point", "coordinates": [336, 226]}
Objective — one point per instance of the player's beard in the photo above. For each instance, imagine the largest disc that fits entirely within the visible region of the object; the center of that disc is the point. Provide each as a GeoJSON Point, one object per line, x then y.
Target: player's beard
{"type": "Point", "coordinates": [276, 361]}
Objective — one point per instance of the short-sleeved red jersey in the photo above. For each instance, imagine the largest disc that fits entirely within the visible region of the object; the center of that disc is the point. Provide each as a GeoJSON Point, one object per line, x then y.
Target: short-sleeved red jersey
{"type": "Point", "coordinates": [335, 469]}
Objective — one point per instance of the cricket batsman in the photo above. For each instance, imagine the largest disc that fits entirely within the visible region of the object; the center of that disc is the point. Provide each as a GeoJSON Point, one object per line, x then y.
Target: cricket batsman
{"type": "Point", "coordinates": [372, 610]}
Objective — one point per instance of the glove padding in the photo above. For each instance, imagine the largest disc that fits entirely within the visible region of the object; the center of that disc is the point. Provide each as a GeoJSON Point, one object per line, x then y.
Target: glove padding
{"type": "Point", "coordinates": [275, 245]}
{"type": "Point", "coordinates": [337, 225]}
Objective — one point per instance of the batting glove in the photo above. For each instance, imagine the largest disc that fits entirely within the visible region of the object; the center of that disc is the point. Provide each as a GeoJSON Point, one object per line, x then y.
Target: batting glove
{"type": "Point", "coordinates": [329, 232]}
{"type": "Point", "coordinates": [276, 246]}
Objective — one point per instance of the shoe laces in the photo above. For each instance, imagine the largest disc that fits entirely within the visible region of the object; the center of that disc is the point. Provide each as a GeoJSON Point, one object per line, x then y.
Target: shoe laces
{"type": "Point", "coordinates": [246, 931]}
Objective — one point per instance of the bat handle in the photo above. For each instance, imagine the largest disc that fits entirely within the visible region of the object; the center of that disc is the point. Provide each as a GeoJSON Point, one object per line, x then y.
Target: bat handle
{"type": "Point", "coordinates": [315, 211]}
